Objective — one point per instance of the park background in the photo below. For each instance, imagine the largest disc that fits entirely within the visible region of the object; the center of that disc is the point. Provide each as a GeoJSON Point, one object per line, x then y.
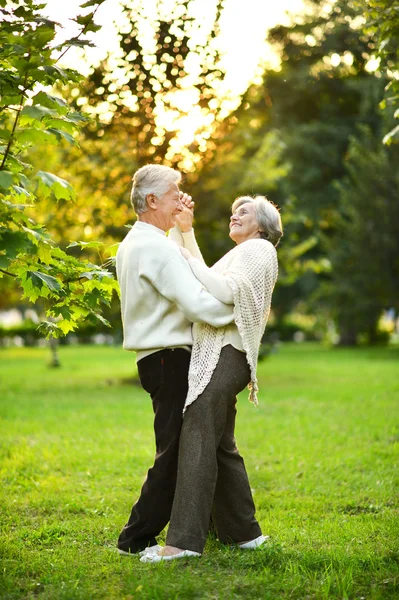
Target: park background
{"type": "Point", "coordinates": [301, 107]}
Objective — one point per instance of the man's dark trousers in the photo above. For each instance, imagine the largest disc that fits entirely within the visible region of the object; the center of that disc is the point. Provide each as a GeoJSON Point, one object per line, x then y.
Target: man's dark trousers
{"type": "Point", "coordinates": [164, 375]}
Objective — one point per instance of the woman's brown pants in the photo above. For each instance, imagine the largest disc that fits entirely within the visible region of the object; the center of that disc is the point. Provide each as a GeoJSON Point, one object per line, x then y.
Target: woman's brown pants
{"type": "Point", "coordinates": [211, 477]}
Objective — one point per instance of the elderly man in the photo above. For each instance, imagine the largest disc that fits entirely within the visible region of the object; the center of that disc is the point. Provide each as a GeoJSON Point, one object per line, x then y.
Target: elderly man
{"type": "Point", "coordinates": [160, 298]}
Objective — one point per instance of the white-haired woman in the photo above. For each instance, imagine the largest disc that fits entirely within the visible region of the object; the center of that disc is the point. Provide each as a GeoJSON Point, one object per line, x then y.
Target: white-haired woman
{"type": "Point", "coordinates": [212, 480]}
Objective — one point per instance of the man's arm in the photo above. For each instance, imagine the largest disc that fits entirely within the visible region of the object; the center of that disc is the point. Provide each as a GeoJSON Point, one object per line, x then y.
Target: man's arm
{"type": "Point", "coordinates": [177, 283]}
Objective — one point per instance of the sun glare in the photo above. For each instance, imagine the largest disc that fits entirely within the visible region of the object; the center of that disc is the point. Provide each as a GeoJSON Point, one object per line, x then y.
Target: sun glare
{"type": "Point", "coordinates": [241, 46]}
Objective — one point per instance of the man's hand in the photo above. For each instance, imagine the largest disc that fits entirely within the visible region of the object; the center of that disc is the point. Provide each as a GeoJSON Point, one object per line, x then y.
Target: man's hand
{"type": "Point", "coordinates": [184, 220]}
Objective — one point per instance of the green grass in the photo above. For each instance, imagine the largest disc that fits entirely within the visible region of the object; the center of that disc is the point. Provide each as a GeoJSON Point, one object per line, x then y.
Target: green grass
{"type": "Point", "coordinates": [321, 452]}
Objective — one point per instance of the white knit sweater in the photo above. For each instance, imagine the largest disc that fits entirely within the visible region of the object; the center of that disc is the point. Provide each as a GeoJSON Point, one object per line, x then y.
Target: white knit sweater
{"type": "Point", "coordinates": [160, 296]}
{"type": "Point", "coordinates": [250, 270]}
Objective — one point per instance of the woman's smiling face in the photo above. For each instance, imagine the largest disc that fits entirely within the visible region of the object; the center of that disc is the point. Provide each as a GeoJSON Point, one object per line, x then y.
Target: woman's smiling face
{"type": "Point", "coordinates": [243, 223]}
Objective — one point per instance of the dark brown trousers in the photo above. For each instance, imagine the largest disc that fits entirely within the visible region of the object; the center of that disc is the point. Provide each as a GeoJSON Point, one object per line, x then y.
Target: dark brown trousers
{"type": "Point", "coordinates": [211, 478]}
{"type": "Point", "coordinates": [164, 376]}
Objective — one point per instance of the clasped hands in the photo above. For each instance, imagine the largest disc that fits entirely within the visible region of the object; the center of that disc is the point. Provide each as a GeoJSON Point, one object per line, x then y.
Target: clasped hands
{"type": "Point", "coordinates": [184, 220]}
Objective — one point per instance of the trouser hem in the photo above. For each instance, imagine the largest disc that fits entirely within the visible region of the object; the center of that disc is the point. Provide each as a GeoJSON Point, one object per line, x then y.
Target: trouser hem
{"type": "Point", "coordinates": [185, 542]}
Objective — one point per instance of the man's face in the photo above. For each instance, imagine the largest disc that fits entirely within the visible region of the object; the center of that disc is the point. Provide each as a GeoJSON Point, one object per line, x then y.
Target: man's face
{"type": "Point", "coordinates": [168, 206]}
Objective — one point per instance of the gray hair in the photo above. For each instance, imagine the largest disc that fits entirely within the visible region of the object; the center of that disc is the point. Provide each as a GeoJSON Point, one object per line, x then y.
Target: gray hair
{"type": "Point", "coordinates": [267, 216]}
{"type": "Point", "coordinates": [151, 179]}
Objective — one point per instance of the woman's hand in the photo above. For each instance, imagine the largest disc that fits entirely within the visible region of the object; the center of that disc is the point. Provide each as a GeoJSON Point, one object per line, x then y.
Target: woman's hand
{"type": "Point", "coordinates": [187, 255]}
{"type": "Point", "coordinates": [184, 220]}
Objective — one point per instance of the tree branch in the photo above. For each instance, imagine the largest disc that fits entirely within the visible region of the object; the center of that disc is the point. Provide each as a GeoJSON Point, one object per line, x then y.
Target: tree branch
{"type": "Point", "coordinates": [19, 110]}
{"type": "Point", "coordinates": [7, 273]}
{"type": "Point", "coordinates": [81, 33]}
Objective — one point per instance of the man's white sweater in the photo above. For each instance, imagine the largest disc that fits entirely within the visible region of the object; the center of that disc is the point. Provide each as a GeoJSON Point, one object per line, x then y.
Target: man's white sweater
{"type": "Point", "coordinates": [160, 296]}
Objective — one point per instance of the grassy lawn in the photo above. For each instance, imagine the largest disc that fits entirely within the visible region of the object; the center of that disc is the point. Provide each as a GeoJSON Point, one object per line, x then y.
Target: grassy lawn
{"type": "Point", "coordinates": [321, 452]}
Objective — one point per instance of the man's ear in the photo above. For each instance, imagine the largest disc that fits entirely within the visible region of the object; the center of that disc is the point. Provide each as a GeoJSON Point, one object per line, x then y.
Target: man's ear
{"type": "Point", "coordinates": [151, 201]}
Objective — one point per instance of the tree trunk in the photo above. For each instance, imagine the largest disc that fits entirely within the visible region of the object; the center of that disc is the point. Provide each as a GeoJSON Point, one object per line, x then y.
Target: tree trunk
{"type": "Point", "coordinates": [55, 361]}
{"type": "Point", "coordinates": [347, 335]}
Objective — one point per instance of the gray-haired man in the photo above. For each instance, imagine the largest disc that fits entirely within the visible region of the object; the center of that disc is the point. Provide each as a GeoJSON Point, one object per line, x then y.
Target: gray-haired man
{"type": "Point", "coordinates": [160, 298]}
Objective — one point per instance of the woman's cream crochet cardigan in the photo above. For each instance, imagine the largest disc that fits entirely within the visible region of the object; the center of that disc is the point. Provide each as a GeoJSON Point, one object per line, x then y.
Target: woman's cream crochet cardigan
{"type": "Point", "coordinates": [251, 271]}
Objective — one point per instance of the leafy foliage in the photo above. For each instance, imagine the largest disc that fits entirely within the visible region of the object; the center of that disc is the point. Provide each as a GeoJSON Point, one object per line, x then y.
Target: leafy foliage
{"type": "Point", "coordinates": [71, 289]}
{"type": "Point", "coordinates": [365, 250]}
{"type": "Point", "coordinates": [382, 20]}
{"type": "Point", "coordinates": [291, 139]}
{"type": "Point", "coordinates": [168, 66]}
{"type": "Point", "coordinates": [126, 95]}
{"type": "Point", "coordinates": [314, 104]}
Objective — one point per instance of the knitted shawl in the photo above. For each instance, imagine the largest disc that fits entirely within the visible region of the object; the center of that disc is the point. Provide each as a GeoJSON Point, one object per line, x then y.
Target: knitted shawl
{"type": "Point", "coordinates": [251, 271]}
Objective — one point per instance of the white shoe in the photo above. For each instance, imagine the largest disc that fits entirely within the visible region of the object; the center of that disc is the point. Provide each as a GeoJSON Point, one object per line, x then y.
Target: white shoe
{"type": "Point", "coordinates": [254, 543]}
{"type": "Point", "coordinates": [150, 550]}
{"type": "Point", "coordinates": [155, 558]}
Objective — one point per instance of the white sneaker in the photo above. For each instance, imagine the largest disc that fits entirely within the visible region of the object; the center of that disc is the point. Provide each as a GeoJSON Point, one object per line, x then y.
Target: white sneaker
{"type": "Point", "coordinates": [156, 558]}
{"type": "Point", "coordinates": [150, 550]}
{"type": "Point", "coordinates": [254, 543]}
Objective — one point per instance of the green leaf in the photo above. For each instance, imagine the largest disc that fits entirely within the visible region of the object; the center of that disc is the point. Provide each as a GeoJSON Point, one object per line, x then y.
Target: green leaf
{"type": "Point", "coordinates": [4, 261]}
{"type": "Point", "coordinates": [56, 73]}
{"type": "Point", "coordinates": [49, 329]}
{"type": "Point", "coordinates": [102, 320]}
{"type": "Point", "coordinates": [86, 244]}
{"type": "Point", "coordinates": [96, 274]}
{"type": "Point", "coordinates": [84, 19]}
{"type": "Point", "coordinates": [45, 99]}
{"type": "Point", "coordinates": [39, 234]}
{"type": "Point", "coordinates": [18, 206]}
{"type": "Point", "coordinates": [388, 138]}
{"type": "Point", "coordinates": [14, 242]}
{"type": "Point", "coordinates": [5, 134]}
{"type": "Point", "coordinates": [37, 112]}
{"type": "Point", "coordinates": [5, 180]}
{"type": "Point", "coordinates": [112, 250]}
{"type": "Point", "coordinates": [51, 183]}
{"type": "Point", "coordinates": [59, 134]}
{"type": "Point", "coordinates": [44, 34]}
{"type": "Point", "coordinates": [16, 164]}
{"type": "Point", "coordinates": [62, 123]}
{"type": "Point", "coordinates": [66, 326]}
{"type": "Point", "coordinates": [61, 310]}
{"type": "Point", "coordinates": [21, 192]}
{"type": "Point", "coordinates": [31, 136]}
{"type": "Point", "coordinates": [38, 279]}
{"type": "Point", "coordinates": [79, 43]}
{"type": "Point", "coordinates": [44, 252]}
{"type": "Point", "coordinates": [9, 100]}
{"type": "Point", "coordinates": [91, 3]}
{"type": "Point", "coordinates": [44, 21]}
{"type": "Point", "coordinates": [92, 27]}
{"type": "Point", "coordinates": [76, 117]}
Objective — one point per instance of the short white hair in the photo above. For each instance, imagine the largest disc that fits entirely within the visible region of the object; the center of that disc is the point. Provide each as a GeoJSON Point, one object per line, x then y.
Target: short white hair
{"type": "Point", "coordinates": [267, 216]}
{"type": "Point", "coordinates": [151, 179]}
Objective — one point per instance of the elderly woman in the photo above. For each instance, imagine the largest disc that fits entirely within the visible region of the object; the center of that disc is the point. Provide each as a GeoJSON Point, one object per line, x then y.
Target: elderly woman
{"type": "Point", "coordinates": [212, 480]}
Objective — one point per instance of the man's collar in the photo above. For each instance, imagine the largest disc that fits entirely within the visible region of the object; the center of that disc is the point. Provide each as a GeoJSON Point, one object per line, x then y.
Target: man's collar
{"type": "Point", "coordinates": [142, 226]}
